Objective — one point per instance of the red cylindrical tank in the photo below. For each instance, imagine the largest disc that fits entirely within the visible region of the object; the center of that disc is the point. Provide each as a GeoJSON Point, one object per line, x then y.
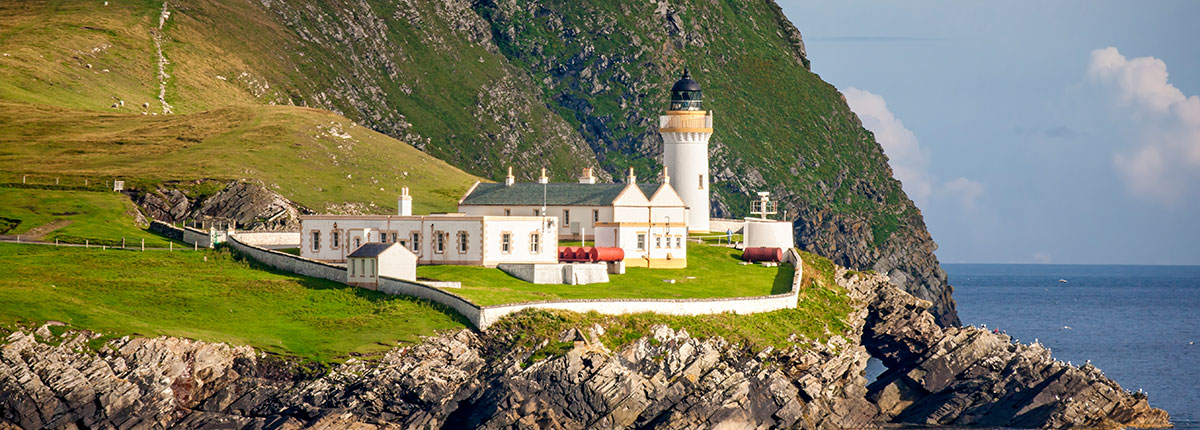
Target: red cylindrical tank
{"type": "Point", "coordinates": [585, 253]}
{"type": "Point", "coordinates": [609, 254]}
{"type": "Point", "coordinates": [566, 253]}
{"type": "Point", "coordinates": [754, 255]}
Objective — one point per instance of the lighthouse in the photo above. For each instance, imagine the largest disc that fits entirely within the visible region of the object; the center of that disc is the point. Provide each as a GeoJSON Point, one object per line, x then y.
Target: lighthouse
{"type": "Point", "coordinates": [685, 130]}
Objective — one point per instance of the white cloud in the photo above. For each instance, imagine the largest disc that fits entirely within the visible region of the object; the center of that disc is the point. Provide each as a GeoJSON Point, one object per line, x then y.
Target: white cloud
{"type": "Point", "coordinates": [909, 161]}
{"type": "Point", "coordinates": [1163, 162]}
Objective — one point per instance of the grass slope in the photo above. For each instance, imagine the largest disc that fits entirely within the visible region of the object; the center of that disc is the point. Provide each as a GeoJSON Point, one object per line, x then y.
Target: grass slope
{"type": "Point", "coordinates": [316, 158]}
{"type": "Point", "coordinates": [714, 272]}
{"type": "Point", "coordinates": [99, 218]}
{"type": "Point", "coordinates": [207, 295]}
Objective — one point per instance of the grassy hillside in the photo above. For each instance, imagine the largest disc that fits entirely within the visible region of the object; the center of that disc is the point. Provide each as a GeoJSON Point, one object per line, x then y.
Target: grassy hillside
{"type": "Point", "coordinates": [97, 218]}
{"type": "Point", "coordinates": [316, 158]}
{"type": "Point", "coordinates": [206, 295]}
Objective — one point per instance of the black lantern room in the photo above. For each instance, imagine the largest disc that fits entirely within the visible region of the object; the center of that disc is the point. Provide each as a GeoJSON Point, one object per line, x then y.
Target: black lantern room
{"type": "Point", "coordinates": [685, 95]}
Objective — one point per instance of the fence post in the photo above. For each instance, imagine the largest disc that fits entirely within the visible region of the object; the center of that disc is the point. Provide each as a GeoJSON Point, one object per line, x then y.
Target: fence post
{"type": "Point", "coordinates": [170, 246]}
{"type": "Point", "coordinates": [56, 241]}
{"type": "Point", "coordinates": [18, 238]}
{"type": "Point", "coordinates": [143, 244]}
{"type": "Point", "coordinates": [86, 244]}
{"type": "Point", "coordinates": [23, 178]}
{"type": "Point", "coordinates": [122, 242]}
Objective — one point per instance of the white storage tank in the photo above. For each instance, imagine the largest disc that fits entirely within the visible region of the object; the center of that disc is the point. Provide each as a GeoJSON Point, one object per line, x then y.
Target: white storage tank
{"type": "Point", "coordinates": [759, 232]}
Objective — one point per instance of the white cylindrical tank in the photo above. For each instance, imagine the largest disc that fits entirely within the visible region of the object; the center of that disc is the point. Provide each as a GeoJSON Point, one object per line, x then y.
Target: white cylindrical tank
{"type": "Point", "coordinates": [767, 233]}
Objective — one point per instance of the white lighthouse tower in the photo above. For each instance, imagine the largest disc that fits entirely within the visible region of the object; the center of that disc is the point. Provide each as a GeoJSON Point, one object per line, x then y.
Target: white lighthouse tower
{"type": "Point", "coordinates": [685, 130]}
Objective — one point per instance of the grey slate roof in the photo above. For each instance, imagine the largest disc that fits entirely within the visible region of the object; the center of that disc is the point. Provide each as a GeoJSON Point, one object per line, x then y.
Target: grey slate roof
{"type": "Point", "coordinates": [557, 194]}
{"type": "Point", "coordinates": [370, 249]}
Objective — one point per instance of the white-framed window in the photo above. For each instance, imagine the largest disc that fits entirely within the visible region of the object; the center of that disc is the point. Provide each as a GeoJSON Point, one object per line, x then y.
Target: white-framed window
{"type": "Point", "coordinates": [679, 242]}
{"type": "Point", "coordinates": [535, 243]}
{"type": "Point", "coordinates": [507, 212]}
{"type": "Point", "coordinates": [439, 242]}
{"type": "Point", "coordinates": [316, 240]}
{"type": "Point", "coordinates": [354, 267]}
{"type": "Point", "coordinates": [658, 242]}
{"type": "Point", "coordinates": [404, 243]}
{"type": "Point", "coordinates": [641, 241]}
{"type": "Point", "coordinates": [535, 212]}
{"type": "Point", "coordinates": [463, 238]}
{"type": "Point", "coordinates": [595, 216]}
{"type": "Point", "coordinates": [335, 239]}
{"type": "Point", "coordinates": [414, 243]}
{"type": "Point", "coordinates": [506, 242]}
{"type": "Point", "coordinates": [357, 242]}
{"type": "Point", "coordinates": [566, 217]}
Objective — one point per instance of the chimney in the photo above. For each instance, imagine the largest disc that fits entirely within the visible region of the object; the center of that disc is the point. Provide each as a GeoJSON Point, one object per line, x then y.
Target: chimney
{"type": "Point", "coordinates": [632, 179]}
{"type": "Point", "coordinates": [366, 236]}
{"type": "Point", "coordinates": [510, 179]}
{"type": "Point", "coordinates": [405, 203]}
{"type": "Point", "coordinates": [587, 177]}
{"type": "Point", "coordinates": [543, 179]}
{"type": "Point", "coordinates": [665, 177]}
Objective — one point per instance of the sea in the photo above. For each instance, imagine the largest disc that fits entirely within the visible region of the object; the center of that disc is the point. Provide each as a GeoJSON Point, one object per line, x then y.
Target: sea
{"type": "Point", "coordinates": [1139, 324]}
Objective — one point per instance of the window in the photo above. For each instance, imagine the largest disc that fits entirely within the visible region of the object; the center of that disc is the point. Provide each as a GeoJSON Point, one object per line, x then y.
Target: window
{"type": "Point", "coordinates": [535, 212]}
{"type": "Point", "coordinates": [506, 242]}
{"type": "Point", "coordinates": [641, 241]}
{"type": "Point", "coordinates": [535, 243]}
{"type": "Point", "coordinates": [701, 186]}
{"type": "Point", "coordinates": [352, 271]}
{"type": "Point", "coordinates": [336, 239]}
{"type": "Point", "coordinates": [415, 243]}
{"type": "Point", "coordinates": [566, 217]}
{"type": "Point", "coordinates": [383, 237]}
{"type": "Point", "coordinates": [658, 241]}
{"type": "Point", "coordinates": [462, 242]}
{"type": "Point", "coordinates": [404, 243]}
{"type": "Point", "coordinates": [316, 240]}
{"type": "Point", "coordinates": [357, 242]}
{"type": "Point", "coordinates": [595, 216]}
{"type": "Point", "coordinates": [507, 212]}
{"type": "Point", "coordinates": [439, 242]}
{"type": "Point", "coordinates": [679, 242]}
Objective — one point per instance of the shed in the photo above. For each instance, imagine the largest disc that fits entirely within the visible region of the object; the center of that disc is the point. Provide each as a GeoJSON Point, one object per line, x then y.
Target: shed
{"type": "Point", "coordinates": [366, 264]}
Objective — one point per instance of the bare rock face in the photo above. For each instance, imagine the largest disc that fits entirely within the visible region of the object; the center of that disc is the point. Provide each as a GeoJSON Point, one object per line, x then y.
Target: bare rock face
{"type": "Point", "coordinates": [972, 377]}
{"type": "Point", "coordinates": [251, 206]}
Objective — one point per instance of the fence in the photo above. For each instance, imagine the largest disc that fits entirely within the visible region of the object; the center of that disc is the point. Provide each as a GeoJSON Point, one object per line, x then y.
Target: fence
{"type": "Point", "coordinates": [484, 316]}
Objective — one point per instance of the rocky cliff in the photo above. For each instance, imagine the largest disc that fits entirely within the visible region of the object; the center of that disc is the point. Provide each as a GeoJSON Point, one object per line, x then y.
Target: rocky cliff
{"type": "Point", "coordinates": [505, 379]}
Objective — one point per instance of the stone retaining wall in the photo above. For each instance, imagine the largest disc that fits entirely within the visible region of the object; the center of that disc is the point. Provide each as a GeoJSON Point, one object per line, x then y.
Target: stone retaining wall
{"type": "Point", "coordinates": [271, 239]}
{"type": "Point", "coordinates": [482, 317]}
{"type": "Point", "coordinates": [188, 235]}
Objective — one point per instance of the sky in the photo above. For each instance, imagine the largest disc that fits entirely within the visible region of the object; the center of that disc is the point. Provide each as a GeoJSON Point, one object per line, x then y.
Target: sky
{"type": "Point", "coordinates": [1063, 132]}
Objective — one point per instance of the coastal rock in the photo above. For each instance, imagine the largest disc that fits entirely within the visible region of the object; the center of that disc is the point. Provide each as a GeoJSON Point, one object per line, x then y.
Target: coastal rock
{"type": "Point", "coordinates": [974, 377]}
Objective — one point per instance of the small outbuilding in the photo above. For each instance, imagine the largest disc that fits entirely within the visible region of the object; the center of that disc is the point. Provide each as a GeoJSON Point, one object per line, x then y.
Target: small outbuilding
{"type": "Point", "coordinates": [366, 264]}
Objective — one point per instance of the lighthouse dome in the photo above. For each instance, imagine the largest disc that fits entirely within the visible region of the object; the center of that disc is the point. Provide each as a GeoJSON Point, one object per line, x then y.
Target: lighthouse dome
{"type": "Point", "coordinates": [685, 94]}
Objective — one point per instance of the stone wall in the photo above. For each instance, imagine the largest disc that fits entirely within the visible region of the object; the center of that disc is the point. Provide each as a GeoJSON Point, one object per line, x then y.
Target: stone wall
{"type": "Point", "coordinates": [188, 235]}
{"type": "Point", "coordinates": [271, 239]}
{"type": "Point", "coordinates": [482, 317]}
{"type": "Point", "coordinates": [288, 262]}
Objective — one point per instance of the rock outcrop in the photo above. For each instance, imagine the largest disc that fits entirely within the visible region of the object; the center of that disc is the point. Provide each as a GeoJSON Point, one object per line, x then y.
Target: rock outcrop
{"type": "Point", "coordinates": [502, 379]}
{"type": "Point", "coordinates": [972, 377]}
{"type": "Point", "coordinates": [249, 206]}
{"type": "Point", "coordinates": [458, 380]}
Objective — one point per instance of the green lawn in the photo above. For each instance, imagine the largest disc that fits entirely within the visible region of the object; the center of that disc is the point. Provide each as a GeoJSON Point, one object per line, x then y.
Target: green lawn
{"type": "Point", "coordinates": [101, 218]}
{"type": "Point", "coordinates": [712, 272]}
{"type": "Point", "coordinates": [207, 295]}
{"type": "Point", "coordinates": [821, 312]}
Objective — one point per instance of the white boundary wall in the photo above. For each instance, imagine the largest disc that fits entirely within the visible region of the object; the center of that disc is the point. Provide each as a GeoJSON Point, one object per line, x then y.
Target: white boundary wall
{"type": "Point", "coordinates": [482, 317]}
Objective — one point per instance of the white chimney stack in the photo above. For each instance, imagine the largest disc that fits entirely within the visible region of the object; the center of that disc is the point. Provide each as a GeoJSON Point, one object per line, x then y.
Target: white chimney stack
{"type": "Point", "coordinates": [632, 179]}
{"type": "Point", "coordinates": [405, 203]}
{"type": "Point", "coordinates": [543, 179]}
{"type": "Point", "coordinates": [510, 179]}
{"type": "Point", "coordinates": [666, 177]}
{"type": "Point", "coordinates": [587, 177]}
